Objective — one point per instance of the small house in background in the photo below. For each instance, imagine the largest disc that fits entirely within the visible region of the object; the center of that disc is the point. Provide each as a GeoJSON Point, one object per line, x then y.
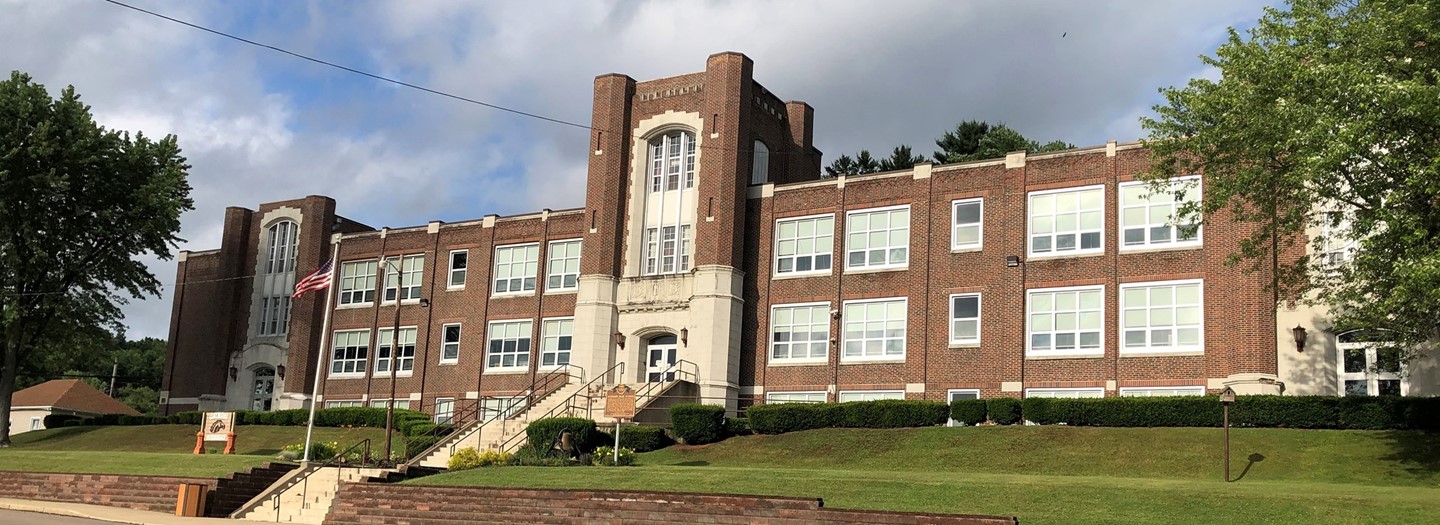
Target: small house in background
{"type": "Point", "coordinates": [60, 396]}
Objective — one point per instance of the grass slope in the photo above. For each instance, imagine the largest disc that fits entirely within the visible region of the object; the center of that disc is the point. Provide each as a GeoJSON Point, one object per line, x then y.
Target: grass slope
{"type": "Point", "coordinates": [161, 449]}
{"type": "Point", "coordinates": [1049, 474]}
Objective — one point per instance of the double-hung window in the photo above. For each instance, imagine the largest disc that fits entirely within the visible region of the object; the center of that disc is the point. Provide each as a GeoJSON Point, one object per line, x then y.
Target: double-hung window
{"type": "Point", "coordinates": [672, 161]}
{"type": "Point", "coordinates": [870, 395]}
{"type": "Point", "coordinates": [350, 352]}
{"type": "Point", "coordinates": [444, 409]}
{"type": "Point", "coordinates": [1066, 393]}
{"type": "Point", "coordinates": [1162, 391]}
{"type": "Point", "coordinates": [404, 359]}
{"type": "Point", "coordinates": [794, 397]}
{"type": "Point", "coordinates": [405, 282]}
{"type": "Point", "coordinates": [357, 283]}
{"type": "Point", "coordinates": [1162, 317]}
{"type": "Point", "coordinates": [1152, 220]}
{"type": "Point", "coordinates": [875, 330]}
{"type": "Point", "coordinates": [878, 238]}
{"type": "Point", "coordinates": [563, 268]}
{"type": "Point", "coordinates": [459, 264]}
{"type": "Point", "coordinates": [274, 315]}
{"type": "Point", "coordinates": [800, 333]}
{"type": "Point", "coordinates": [555, 341]}
{"type": "Point", "coordinates": [1065, 321]}
{"type": "Point", "coordinates": [667, 249]}
{"type": "Point", "coordinates": [804, 245]}
{"type": "Point", "coordinates": [515, 268]}
{"type": "Point", "coordinates": [966, 229]}
{"type": "Point", "coordinates": [509, 348]}
{"type": "Point", "coordinates": [344, 403]}
{"type": "Point", "coordinates": [1067, 222]}
{"type": "Point", "coordinates": [450, 343]}
{"type": "Point", "coordinates": [965, 319]}
{"type": "Point", "coordinates": [1369, 369]}
{"type": "Point", "coordinates": [1337, 244]}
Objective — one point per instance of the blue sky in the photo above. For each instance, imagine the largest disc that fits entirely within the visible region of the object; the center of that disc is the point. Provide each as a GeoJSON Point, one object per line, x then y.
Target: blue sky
{"type": "Point", "coordinates": [259, 126]}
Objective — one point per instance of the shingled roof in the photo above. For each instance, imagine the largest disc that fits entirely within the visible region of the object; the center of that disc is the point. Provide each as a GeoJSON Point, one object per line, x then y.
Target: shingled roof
{"type": "Point", "coordinates": [70, 394]}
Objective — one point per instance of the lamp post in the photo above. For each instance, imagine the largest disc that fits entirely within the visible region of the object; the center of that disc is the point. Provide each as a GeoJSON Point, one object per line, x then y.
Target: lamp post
{"type": "Point", "coordinates": [1227, 397]}
{"type": "Point", "coordinates": [394, 266]}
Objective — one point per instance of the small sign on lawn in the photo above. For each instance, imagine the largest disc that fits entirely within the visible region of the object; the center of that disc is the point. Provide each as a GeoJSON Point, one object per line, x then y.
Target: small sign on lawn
{"type": "Point", "coordinates": [620, 403]}
{"type": "Point", "coordinates": [216, 426]}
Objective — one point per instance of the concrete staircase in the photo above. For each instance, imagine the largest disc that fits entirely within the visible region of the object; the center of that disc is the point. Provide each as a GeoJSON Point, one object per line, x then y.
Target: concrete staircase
{"type": "Point", "coordinates": [233, 491]}
{"type": "Point", "coordinates": [492, 434]}
{"type": "Point", "coordinates": [309, 499]}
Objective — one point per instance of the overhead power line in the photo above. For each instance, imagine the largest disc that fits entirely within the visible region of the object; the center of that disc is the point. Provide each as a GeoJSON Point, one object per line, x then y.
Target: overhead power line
{"type": "Point", "coordinates": [350, 69]}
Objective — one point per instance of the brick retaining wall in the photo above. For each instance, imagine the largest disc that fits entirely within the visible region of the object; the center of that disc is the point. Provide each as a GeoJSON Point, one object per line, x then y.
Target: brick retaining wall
{"type": "Point", "coordinates": [152, 493]}
{"type": "Point", "coordinates": [385, 504]}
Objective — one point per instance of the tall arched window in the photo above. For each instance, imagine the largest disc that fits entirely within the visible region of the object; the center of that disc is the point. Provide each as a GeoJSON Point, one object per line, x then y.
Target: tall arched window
{"type": "Point", "coordinates": [281, 242]}
{"type": "Point", "coordinates": [760, 171]}
{"type": "Point", "coordinates": [669, 204]}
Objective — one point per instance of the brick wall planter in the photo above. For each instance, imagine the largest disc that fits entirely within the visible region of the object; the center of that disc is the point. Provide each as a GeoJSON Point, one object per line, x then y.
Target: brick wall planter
{"type": "Point", "coordinates": [372, 503]}
{"type": "Point", "coordinates": [152, 493]}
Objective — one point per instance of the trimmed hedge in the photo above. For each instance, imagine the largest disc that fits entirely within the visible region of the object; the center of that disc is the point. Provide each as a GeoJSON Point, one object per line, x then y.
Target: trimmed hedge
{"type": "Point", "coordinates": [61, 420]}
{"type": "Point", "coordinates": [1313, 412]}
{"type": "Point", "coordinates": [642, 438]}
{"type": "Point", "coordinates": [885, 413]}
{"type": "Point", "coordinates": [697, 424]}
{"type": "Point", "coordinates": [1003, 410]}
{"type": "Point", "coordinates": [967, 411]}
{"type": "Point", "coordinates": [543, 432]}
{"type": "Point", "coordinates": [325, 417]}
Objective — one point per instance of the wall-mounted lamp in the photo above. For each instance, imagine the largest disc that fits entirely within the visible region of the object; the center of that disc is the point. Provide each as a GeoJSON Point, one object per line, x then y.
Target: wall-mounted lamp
{"type": "Point", "coordinates": [280, 371]}
{"type": "Point", "coordinates": [619, 339]}
{"type": "Point", "coordinates": [234, 373]}
{"type": "Point", "coordinates": [685, 336]}
{"type": "Point", "coordinates": [1299, 333]}
{"type": "Point", "coordinates": [424, 303]}
{"type": "Point", "coordinates": [1012, 261]}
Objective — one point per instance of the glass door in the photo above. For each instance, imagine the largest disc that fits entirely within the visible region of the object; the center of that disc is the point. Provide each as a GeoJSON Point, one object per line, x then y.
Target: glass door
{"type": "Point", "coordinates": [662, 354]}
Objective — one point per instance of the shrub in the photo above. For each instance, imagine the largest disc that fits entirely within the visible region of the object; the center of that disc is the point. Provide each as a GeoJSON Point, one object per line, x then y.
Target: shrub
{"type": "Point", "coordinates": [139, 420]}
{"type": "Point", "coordinates": [319, 451]}
{"type": "Point", "coordinates": [606, 457]}
{"type": "Point", "coordinates": [189, 417]}
{"type": "Point", "coordinates": [1181, 411]}
{"type": "Point", "coordinates": [1003, 410]}
{"type": "Point", "coordinates": [1284, 411]}
{"type": "Point", "coordinates": [697, 424]}
{"type": "Point", "coordinates": [414, 445]}
{"type": "Point", "coordinates": [492, 457]}
{"type": "Point", "coordinates": [1372, 413]}
{"type": "Point", "coordinates": [643, 438]}
{"type": "Point", "coordinates": [1422, 413]}
{"type": "Point", "coordinates": [543, 432]}
{"type": "Point", "coordinates": [426, 428]}
{"type": "Point", "coordinates": [967, 411]}
{"type": "Point", "coordinates": [790, 417]}
{"type": "Point", "coordinates": [886, 413]}
{"type": "Point", "coordinates": [61, 420]}
{"type": "Point", "coordinates": [464, 459]}
{"type": "Point", "coordinates": [738, 426]}
{"type": "Point", "coordinates": [530, 456]}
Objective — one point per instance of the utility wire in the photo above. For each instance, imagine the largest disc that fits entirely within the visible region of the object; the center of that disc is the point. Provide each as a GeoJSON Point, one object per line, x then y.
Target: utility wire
{"type": "Point", "coordinates": [350, 69]}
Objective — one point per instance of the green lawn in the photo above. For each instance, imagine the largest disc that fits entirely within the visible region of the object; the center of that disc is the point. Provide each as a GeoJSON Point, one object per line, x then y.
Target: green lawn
{"type": "Point", "coordinates": [161, 449]}
{"type": "Point", "coordinates": [1049, 474]}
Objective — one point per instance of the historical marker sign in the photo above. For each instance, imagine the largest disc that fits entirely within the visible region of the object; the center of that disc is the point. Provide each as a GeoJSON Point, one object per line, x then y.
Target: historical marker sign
{"type": "Point", "coordinates": [218, 425]}
{"type": "Point", "coordinates": [620, 403]}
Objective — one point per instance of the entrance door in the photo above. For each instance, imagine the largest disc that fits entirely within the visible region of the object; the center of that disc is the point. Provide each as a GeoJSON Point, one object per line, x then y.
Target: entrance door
{"type": "Point", "coordinates": [264, 392]}
{"type": "Point", "coordinates": [662, 355]}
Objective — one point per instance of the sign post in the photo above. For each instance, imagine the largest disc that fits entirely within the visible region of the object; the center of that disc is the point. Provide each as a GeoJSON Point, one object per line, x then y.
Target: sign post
{"type": "Point", "coordinates": [619, 404]}
{"type": "Point", "coordinates": [216, 426]}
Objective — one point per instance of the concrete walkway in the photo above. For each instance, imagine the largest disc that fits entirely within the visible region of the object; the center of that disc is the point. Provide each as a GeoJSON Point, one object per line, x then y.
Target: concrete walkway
{"type": "Point", "coordinates": [104, 513]}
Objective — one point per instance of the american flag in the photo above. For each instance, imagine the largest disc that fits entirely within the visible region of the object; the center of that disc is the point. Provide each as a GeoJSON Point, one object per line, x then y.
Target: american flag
{"type": "Point", "coordinates": [317, 280]}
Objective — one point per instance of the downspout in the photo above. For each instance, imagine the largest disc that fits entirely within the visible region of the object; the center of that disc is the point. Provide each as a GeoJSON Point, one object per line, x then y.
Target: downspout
{"type": "Point", "coordinates": [838, 319]}
{"type": "Point", "coordinates": [375, 323]}
{"type": "Point", "coordinates": [430, 316]}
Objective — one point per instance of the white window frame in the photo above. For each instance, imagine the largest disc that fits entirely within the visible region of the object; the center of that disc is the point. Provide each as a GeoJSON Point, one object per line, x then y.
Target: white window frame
{"type": "Point", "coordinates": [1175, 347]}
{"type": "Point", "coordinates": [274, 316]}
{"type": "Point", "coordinates": [770, 397]}
{"type": "Point", "coordinates": [345, 403]}
{"type": "Point", "coordinates": [814, 252]}
{"type": "Point", "coordinates": [1162, 391]}
{"type": "Point", "coordinates": [525, 334]}
{"type": "Point", "coordinates": [862, 358]}
{"type": "Point", "coordinates": [564, 265]}
{"type": "Point", "coordinates": [463, 273]}
{"type": "Point", "coordinates": [448, 414]}
{"type": "Point", "coordinates": [1098, 351]}
{"type": "Point", "coordinates": [492, 406]}
{"type": "Point", "coordinates": [545, 341]}
{"type": "Point", "coordinates": [955, 244]}
{"type": "Point", "coordinates": [950, 398]}
{"type": "Point", "coordinates": [445, 343]}
{"type": "Point", "coordinates": [1192, 194]}
{"type": "Point", "coordinates": [680, 164]}
{"type": "Point", "coordinates": [808, 359]}
{"type": "Point", "coordinates": [409, 279]}
{"type": "Point", "coordinates": [1336, 247]}
{"type": "Point", "coordinates": [1371, 375]}
{"type": "Point", "coordinates": [1079, 393]}
{"type": "Point", "coordinates": [979, 317]}
{"type": "Point", "coordinates": [760, 165]}
{"type": "Point", "coordinates": [358, 284]}
{"type": "Point", "coordinates": [1079, 232]}
{"type": "Point", "coordinates": [37, 423]}
{"type": "Point", "coordinates": [525, 277]}
{"type": "Point", "coordinates": [887, 394]}
{"type": "Point", "coordinates": [888, 265]}
{"type": "Point", "coordinates": [362, 363]}
{"type": "Point", "coordinates": [280, 254]}
{"type": "Point", "coordinates": [406, 364]}
{"type": "Point", "coordinates": [400, 403]}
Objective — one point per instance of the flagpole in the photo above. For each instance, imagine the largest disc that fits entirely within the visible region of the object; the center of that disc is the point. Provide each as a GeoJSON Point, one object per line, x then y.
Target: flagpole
{"type": "Point", "coordinates": [324, 344]}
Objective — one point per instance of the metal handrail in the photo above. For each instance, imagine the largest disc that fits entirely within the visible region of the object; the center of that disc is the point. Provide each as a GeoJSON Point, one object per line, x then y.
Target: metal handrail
{"type": "Point", "coordinates": [540, 386]}
{"type": "Point", "coordinates": [567, 404]}
{"type": "Point", "coordinates": [675, 368]}
{"type": "Point", "coordinates": [305, 477]}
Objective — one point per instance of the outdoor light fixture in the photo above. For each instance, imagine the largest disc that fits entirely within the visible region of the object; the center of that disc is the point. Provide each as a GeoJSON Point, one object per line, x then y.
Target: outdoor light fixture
{"type": "Point", "coordinates": [1299, 333]}
{"type": "Point", "coordinates": [1012, 261]}
{"type": "Point", "coordinates": [619, 339]}
{"type": "Point", "coordinates": [685, 336]}
{"type": "Point", "coordinates": [234, 373]}
{"type": "Point", "coordinates": [1227, 397]}
{"type": "Point", "coordinates": [280, 371]}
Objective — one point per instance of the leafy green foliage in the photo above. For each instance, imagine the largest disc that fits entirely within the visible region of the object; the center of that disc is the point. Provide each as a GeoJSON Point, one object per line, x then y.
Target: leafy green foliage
{"type": "Point", "coordinates": [885, 413]}
{"type": "Point", "coordinates": [78, 205]}
{"type": "Point", "coordinates": [968, 411]}
{"type": "Point", "coordinates": [697, 424]}
{"type": "Point", "coordinates": [543, 432]}
{"type": "Point", "coordinates": [978, 140]}
{"type": "Point", "coordinates": [1316, 412]}
{"type": "Point", "coordinates": [643, 438]}
{"type": "Point", "coordinates": [1003, 410]}
{"type": "Point", "coordinates": [606, 457]}
{"type": "Point", "coordinates": [1323, 116]}
{"type": "Point", "coordinates": [464, 459]}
